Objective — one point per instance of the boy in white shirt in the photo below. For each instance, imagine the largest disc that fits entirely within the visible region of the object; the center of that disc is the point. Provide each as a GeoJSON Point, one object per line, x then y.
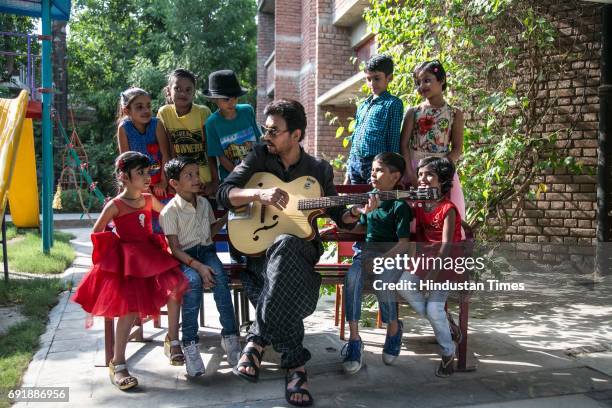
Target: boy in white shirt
{"type": "Point", "coordinates": [189, 224]}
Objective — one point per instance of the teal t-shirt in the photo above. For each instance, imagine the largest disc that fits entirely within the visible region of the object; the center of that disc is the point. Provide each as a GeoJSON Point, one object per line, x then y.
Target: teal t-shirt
{"type": "Point", "coordinates": [233, 138]}
{"type": "Point", "coordinates": [389, 222]}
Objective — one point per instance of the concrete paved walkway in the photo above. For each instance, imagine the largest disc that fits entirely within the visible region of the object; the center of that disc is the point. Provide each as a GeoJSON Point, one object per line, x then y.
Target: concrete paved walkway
{"type": "Point", "coordinates": [549, 346]}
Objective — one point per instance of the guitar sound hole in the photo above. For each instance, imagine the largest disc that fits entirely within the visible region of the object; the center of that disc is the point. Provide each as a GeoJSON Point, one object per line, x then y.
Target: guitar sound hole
{"type": "Point", "coordinates": [256, 238]}
{"type": "Point", "coordinates": [264, 228]}
{"type": "Point", "coordinates": [274, 218]}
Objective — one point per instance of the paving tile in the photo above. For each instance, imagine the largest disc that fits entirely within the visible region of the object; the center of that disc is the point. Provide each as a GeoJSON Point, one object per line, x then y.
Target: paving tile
{"type": "Point", "coordinates": [569, 401]}
{"type": "Point", "coordinates": [546, 383]}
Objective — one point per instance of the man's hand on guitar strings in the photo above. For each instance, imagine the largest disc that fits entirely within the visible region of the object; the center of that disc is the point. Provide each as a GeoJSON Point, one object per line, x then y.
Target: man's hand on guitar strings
{"type": "Point", "coordinates": [274, 196]}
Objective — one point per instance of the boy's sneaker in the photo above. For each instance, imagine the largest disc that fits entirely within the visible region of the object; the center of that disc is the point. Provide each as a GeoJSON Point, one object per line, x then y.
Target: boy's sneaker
{"type": "Point", "coordinates": [231, 346]}
{"type": "Point", "coordinates": [353, 356]}
{"type": "Point", "coordinates": [393, 345]}
{"type": "Point", "coordinates": [446, 367]}
{"type": "Point", "coordinates": [193, 360]}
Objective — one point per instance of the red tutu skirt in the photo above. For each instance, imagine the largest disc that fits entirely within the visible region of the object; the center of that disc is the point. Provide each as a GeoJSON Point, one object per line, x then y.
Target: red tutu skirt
{"type": "Point", "coordinates": [130, 277]}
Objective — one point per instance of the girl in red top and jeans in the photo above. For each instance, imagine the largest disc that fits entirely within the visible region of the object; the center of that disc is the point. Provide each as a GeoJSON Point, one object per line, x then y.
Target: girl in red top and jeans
{"type": "Point", "coordinates": [438, 225]}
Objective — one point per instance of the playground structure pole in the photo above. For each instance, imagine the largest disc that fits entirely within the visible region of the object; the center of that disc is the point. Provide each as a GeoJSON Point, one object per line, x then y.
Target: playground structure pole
{"type": "Point", "coordinates": [47, 135]}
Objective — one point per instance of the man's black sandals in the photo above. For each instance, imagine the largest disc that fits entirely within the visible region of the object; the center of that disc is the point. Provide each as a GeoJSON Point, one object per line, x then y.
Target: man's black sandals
{"type": "Point", "coordinates": [251, 352]}
{"type": "Point", "coordinates": [297, 389]}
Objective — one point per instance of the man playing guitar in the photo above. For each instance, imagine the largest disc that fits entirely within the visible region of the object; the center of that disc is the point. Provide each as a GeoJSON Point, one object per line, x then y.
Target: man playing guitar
{"type": "Point", "coordinates": [282, 283]}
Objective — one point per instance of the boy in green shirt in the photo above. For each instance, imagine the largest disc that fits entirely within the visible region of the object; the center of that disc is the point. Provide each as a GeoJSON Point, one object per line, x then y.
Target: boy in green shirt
{"type": "Point", "coordinates": [390, 222]}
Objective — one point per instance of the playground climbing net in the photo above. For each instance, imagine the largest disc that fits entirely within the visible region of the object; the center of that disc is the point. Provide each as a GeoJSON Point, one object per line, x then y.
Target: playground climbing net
{"type": "Point", "coordinates": [75, 178]}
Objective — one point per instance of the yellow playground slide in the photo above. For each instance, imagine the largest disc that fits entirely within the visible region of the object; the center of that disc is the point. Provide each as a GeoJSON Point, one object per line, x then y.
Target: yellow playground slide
{"type": "Point", "coordinates": [18, 163]}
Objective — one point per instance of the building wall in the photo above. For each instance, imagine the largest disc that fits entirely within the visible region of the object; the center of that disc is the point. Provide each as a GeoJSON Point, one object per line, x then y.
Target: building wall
{"type": "Point", "coordinates": [566, 213]}
{"type": "Point", "coordinates": [333, 67]}
{"type": "Point", "coordinates": [265, 46]}
{"type": "Point", "coordinates": [308, 71]}
{"type": "Point", "coordinates": [341, 5]}
{"type": "Point", "coordinates": [313, 55]}
{"type": "Point", "coordinates": [287, 40]}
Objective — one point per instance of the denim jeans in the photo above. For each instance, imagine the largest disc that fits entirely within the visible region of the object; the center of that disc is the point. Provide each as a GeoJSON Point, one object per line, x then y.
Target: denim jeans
{"type": "Point", "coordinates": [359, 169]}
{"type": "Point", "coordinates": [431, 307]}
{"type": "Point", "coordinates": [192, 298]}
{"type": "Point", "coordinates": [353, 287]}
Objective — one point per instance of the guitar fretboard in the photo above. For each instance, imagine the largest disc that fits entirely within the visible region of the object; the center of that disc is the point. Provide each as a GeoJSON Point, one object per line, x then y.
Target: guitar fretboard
{"type": "Point", "coordinates": [336, 201]}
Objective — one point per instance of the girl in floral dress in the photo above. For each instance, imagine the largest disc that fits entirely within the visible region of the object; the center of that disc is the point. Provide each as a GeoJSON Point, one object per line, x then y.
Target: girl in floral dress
{"type": "Point", "coordinates": [433, 128]}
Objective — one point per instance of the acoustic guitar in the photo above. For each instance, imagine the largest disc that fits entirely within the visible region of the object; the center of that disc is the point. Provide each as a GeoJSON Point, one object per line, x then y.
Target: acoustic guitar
{"type": "Point", "coordinates": [254, 227]}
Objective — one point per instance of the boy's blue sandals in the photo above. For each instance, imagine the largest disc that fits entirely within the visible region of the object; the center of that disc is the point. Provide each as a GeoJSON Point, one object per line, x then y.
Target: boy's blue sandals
{"type": "Point", "coordinates": [353, 356]}
{"type": "Point", "coordinates": [393, 345]}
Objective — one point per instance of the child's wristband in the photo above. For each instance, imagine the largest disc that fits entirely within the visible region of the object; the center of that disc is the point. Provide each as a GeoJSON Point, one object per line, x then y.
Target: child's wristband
{"type": "Point", "coordinates": [190, 262]}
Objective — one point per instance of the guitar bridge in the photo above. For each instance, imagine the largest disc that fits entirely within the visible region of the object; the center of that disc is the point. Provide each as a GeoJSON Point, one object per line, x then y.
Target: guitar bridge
{"type": "Point", "coordinates": [241, 213]}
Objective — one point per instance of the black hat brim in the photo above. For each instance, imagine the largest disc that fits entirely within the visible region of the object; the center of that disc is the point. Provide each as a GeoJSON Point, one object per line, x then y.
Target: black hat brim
{"type": "Point", "coordinates": [217, 95]}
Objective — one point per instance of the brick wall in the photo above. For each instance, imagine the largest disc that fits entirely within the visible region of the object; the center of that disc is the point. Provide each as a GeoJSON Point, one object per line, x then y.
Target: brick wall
{"type": "Point", "coordinates": [566, 213]}
{"type": "Point", "coordinates": [312, 56]}
{"type": "Point", "coordinates": [287, 41]}
{"type": "Point", "coordinates": [333, 67]}
{"type": "Point", "coordinates": [308, 71]}
{"type": "Point", "coordinates": [265, 46]}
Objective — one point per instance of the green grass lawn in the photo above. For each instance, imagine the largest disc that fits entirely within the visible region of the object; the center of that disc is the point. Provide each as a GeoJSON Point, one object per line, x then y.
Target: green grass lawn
{"type": "Point", "coordinates": [11, 231]}
{"type": "Point", "coordinates": [25, 252]}
{"type": "Point", "coordinates": [36, 297]}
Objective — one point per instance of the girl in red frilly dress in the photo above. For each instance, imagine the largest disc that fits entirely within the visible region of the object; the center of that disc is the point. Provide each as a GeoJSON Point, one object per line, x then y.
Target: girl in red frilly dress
{"type": "Point", "coordinates": [133, 275]}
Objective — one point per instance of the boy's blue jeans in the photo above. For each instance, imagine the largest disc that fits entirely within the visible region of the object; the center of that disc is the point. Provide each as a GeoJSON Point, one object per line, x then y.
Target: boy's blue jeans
{"type": "Point", "coordinates": [353, 287]}
{"type": "Point", "coordinates": [359, 169]}
{"type": "Point", "coordinates": [431, 307]}
{"type": "Point", "coordinates": [193, 297]}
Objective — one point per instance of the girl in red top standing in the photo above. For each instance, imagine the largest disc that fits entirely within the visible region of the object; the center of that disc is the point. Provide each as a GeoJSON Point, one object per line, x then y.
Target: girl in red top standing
{"type": "Point", "coordinates": [438, 225]}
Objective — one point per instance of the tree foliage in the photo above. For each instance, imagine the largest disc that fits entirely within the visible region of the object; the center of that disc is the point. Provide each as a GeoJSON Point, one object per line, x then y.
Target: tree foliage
{"type": "Point", "coordinates": [503, 58]}
{"type": "Point", "coordinates": [116, 44]}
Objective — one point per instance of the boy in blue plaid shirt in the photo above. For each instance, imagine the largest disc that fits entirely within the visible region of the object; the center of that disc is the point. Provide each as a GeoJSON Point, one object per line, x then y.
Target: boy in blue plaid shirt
{"type": "Point", "coordinates": [379, 119]}
{"type": "Point", "coordinates": [378, 122]}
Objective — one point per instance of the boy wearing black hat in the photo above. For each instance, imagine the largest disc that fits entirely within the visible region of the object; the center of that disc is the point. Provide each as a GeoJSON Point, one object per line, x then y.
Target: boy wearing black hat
{"type": "Point", "coordinates": [231, 131]}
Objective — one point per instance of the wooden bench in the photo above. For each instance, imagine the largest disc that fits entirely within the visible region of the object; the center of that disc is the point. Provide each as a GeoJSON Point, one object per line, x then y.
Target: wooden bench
{"type": "Point", "coordinates": [331, 273]}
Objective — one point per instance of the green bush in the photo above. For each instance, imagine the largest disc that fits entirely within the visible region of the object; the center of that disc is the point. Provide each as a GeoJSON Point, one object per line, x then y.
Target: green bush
{"type": "Point", "coordinates": [68, 201]}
